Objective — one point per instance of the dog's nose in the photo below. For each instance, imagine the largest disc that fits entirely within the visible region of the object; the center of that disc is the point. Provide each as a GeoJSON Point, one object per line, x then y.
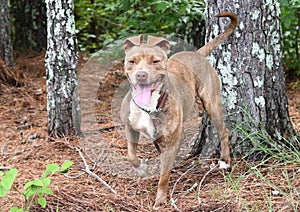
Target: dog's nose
{"type": "Point", "coordinates": [141, 76]}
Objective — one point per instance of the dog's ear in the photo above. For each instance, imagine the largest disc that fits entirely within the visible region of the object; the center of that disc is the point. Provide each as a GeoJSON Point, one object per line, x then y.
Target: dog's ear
{"type": "Point", "coordinates": [133, 41]}
{"type": "Point", "coordinates": [157, 41]}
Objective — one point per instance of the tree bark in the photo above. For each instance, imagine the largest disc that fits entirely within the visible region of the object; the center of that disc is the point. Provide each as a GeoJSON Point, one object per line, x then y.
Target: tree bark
{"type": "Point", "coordinates": [30, 25]}
{"type": "Point", "coordinates": [252, 77]}
{"type": "Point", "coordinates": [61, 69]}
{"type": "Point", "coordinates": [5, 34]}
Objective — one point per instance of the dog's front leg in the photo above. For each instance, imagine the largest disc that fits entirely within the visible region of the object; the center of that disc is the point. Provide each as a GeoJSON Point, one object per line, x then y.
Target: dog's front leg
{"type": "Point", "coordinates": [168, 154]}
{"type": "Point", "coordinates": [140, 166]}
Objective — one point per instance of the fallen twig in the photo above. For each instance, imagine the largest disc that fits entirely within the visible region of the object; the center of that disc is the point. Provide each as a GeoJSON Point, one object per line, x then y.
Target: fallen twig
{"type": "Point", "coordinates": [172, 200]}
{"type": "Point", "coordinates": [106, 129]}
{"type": "Point", "coordinates": [88, 169]}
{"type": "Point", "coordinates": [100, 158]}
{"type": "Point", "coordinates": [4, 168]}
{"type": "Point", "coordinates": [202, 180]}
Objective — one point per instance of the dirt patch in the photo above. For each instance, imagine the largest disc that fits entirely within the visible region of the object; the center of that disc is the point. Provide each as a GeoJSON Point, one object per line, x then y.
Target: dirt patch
{"type": "Point", "coordinates": [194, 187]}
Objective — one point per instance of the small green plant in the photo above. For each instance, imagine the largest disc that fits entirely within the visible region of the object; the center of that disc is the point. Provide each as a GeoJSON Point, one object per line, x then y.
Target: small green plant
{"type": "Point", "coordinates": [7, 180]}
{"type": "Point", "coordinates": [34, 190]}
{"type": "Point", "coordinates": [279, 158]}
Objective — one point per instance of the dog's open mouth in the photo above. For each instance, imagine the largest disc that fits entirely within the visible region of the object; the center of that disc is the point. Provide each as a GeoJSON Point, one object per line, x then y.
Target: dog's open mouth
{"type": "Point", "coordinates": [143, 92]}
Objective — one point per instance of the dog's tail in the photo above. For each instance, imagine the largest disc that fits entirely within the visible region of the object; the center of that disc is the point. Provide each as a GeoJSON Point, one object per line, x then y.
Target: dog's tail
{"type": "Point", "coordinates": [207, 48]}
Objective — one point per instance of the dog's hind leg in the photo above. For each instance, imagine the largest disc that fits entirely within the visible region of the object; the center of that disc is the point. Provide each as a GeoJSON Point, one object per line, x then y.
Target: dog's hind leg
{"type": "Point", "coordinates": [213, 107]}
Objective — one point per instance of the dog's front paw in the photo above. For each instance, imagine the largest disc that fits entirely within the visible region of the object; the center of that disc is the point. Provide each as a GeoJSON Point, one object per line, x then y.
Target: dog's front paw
{"type": "Point", "coordinates": [161, 199]}
{"type": "Point", "coordinates": [223, 165]}
{"type": "Point", "coordinates": [142, 170]}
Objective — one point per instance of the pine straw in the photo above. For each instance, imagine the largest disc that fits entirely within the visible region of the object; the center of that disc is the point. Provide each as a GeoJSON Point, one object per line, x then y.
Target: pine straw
{"type": "Point", "coordinates": [84, 193]}
{"type": "Point", "coordinates": [7, 76]}
{"type": "Point", "coordinates": [24, 146]}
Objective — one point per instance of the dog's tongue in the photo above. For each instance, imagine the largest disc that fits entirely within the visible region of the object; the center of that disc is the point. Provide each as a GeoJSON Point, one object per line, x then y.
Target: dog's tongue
{"type": "Point", "coordinates": [143, 94]}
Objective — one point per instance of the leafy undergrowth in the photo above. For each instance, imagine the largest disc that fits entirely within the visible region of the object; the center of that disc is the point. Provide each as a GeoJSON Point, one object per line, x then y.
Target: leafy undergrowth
{"type": "Point", "coordinates": [195, 186]}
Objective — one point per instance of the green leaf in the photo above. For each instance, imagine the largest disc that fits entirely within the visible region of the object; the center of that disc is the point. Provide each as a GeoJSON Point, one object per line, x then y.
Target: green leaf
{"type": "Point", "coordinates": [46, 182]}
{"type": "Point", "coordinates": [42, 201]}
{"type": "Point", "coordinates": [2, 191]}
{"type": "Point", "coordinates": [287, 21]}
{"type": "Point", "coordinates": [182, 9]}
{"type": "Point", "coordinates": [15, 209]}
{"type": "Point", "coordinates": [43, 191]}
{"type": "Point", "coordinates": [9, 178]}
{"type": "Point", "coordinates": [38, 182]}
{"type": "Point", "coordinates": [65, 166]}
{"type": "Point", "coordinates": [27, 185]}
{"type": "Point", "coordinates": [30, 191]}
{"type": "Point", "coordinates": [52, 167]}
{"type": "Point", "coordinates": [161, 6]}
{"type": "Point", "coordinates": [45, 174]}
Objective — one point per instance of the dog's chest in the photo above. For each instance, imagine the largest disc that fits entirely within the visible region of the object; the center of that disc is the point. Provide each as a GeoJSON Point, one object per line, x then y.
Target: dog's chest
{"type": "Point", "coordinates": [142, 122]}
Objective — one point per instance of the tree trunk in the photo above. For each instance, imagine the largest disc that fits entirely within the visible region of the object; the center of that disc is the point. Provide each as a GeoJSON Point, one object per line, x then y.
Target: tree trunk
{"type": "Point", "coordinates": [5, 34]}
{"type": "Point", "coordinates": [61, 69]}
{"type": "Point", "coordinates": [30, 25]}
{"type": "Point", "coordinates": [253, 85]}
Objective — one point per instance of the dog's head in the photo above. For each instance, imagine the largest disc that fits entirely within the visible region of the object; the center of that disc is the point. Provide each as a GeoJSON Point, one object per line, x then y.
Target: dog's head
{"type": "Point", "coordinates": [145, 65]}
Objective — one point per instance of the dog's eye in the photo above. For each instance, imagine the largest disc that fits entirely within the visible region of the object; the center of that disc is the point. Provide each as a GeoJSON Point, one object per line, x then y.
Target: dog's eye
{"type": "Point", "coordinates": [131, 62]}
{"type": "Point", "coordinates": [156, 61]}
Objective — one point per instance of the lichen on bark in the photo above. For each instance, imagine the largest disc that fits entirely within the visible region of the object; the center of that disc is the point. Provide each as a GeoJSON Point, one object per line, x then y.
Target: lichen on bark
{"type": "Point", "coordinates": [250, 68]}
{"type": "Point", "coordinates": [61, 68]}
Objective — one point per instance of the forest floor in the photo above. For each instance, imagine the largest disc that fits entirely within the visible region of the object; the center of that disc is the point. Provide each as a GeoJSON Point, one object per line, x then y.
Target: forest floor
{"type": "Point", "coordinates": [195, 186]}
